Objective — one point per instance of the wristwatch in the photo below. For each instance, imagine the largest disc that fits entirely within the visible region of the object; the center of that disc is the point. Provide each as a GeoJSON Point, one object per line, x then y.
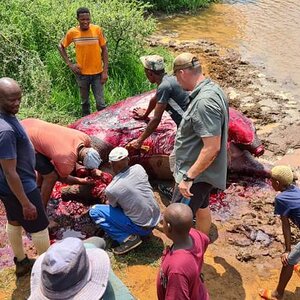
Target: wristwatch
{"type": "Point", "coordinates": [187, 178]}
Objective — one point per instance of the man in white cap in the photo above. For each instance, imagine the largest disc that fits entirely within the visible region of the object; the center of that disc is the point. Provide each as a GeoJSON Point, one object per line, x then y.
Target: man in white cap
{"type": "Point", "coordinates": [201, 139]}
{"type": "Point", "coordinates": [169, 96]}
{"type": "Point", "coordinates": [72, 269]}
{"type": "Point", "coordinates": [58, 150]}
{"type": "Point", "coordinates": [132, 211]}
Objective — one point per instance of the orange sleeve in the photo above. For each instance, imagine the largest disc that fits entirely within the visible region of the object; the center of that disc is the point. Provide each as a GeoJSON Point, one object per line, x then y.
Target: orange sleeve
{"type": "Point", "coordinates": [68, 39]}
{"type": "Point", "coordinates": [102, 40]}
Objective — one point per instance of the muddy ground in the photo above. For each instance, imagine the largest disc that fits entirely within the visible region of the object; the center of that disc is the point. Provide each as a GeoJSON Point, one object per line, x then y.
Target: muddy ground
{"type": "Point", "coordinates": [248, 241]}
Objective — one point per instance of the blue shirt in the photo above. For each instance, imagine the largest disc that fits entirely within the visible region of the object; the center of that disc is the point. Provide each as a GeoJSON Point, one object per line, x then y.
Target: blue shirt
{"type": "Point", "coordinates": [15, 144]}
{"type": "Point", "coordinates": [287, 204]}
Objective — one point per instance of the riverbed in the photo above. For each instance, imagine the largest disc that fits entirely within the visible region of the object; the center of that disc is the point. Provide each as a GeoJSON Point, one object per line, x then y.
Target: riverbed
{"type": "Point", "coordinates": [265, 32]}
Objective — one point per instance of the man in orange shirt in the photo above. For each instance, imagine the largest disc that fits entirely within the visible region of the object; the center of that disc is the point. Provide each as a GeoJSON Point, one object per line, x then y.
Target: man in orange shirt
{"type": "Point", "coordinates": [58, 149]}
{"type": "Point", "coordinates": [91, 59]}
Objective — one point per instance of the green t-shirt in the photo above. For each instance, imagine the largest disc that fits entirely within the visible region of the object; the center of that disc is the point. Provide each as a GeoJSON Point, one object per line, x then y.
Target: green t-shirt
{"type": "Point", "coordinates": [206, 116]}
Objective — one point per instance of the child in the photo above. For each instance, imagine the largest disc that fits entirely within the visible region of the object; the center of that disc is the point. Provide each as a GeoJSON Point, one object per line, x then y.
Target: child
{"type": "Point", "coordinates": [179, 275]}
{"type": "Point", "coordinates": [287, 205]}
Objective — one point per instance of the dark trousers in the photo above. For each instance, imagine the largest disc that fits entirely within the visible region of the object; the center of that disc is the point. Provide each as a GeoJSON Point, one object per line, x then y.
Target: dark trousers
{"type": "Point", "coordinates": [85, 82]}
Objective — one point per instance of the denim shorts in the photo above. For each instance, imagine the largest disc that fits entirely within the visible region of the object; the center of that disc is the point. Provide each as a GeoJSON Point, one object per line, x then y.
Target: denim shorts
{"type": "Point", "coordinates": [294, 256]}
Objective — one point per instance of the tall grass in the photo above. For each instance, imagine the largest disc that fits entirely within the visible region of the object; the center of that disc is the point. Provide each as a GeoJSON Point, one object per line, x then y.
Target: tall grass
{"type": "Point", "coordinates": [30, 32]}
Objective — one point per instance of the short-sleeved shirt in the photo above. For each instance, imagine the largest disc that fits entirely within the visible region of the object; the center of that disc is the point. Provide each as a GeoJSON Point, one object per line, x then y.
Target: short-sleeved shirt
{"type": "Point", "coordinates": [15, 144]}
{"type": "Point", "coordinates": [206, 116]}
{"type": "Point", "coordinates": [88, 45]}
{"type": "Point", "coordinates": [171, 93]}
{"type": "Point", "coordinates": [179, 274]}
{"type": "Point", "coordinates": [132, 191]}
{"type": "Point", "coordinates": [287, 204]}
{"type": "Point", "coordinates": [58, 143]}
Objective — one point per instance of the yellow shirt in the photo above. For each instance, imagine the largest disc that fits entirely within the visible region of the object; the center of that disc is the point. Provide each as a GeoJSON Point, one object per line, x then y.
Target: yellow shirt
{"type": "Point", "coordinates": [88, 45]}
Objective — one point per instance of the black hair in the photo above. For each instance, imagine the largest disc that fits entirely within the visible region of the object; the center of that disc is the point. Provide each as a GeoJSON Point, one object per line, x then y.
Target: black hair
{"type": "Point", "coordinates": [159, 72]}
{"type": "Point", "coordinates": [82, 10]}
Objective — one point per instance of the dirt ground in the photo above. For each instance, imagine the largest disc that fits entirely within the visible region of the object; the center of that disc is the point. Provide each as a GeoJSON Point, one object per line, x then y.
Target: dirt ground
{"type": "Point", "coordinates": [247, 238]}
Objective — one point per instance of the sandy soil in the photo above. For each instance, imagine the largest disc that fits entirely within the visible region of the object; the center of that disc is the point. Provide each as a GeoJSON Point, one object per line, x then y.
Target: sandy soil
{"type": "Point", "coordinates": [245, 254]}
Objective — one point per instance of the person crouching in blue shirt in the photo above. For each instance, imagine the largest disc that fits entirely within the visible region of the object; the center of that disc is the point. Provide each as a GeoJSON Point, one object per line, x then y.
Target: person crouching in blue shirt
{"type": "Point", "coordinates": [287, 206]}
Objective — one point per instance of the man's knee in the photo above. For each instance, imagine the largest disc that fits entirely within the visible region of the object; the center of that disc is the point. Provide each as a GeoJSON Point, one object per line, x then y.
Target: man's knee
{"type": "Point", "coordinates": [97, 213]}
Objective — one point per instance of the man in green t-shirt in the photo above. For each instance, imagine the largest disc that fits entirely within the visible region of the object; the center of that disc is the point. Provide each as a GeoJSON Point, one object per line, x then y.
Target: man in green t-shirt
{"type": "Point", "coordinates": [201, 139]}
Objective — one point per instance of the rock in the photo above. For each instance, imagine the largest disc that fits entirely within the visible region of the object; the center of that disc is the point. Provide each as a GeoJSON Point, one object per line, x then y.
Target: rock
{"type": "Point", "coordinates": [245, 256]}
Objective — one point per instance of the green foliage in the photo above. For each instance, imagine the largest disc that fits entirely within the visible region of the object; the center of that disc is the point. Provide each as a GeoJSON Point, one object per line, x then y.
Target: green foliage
{"type": "Point", "coordinates": [29, 35]}
{"type": "Point", "coordinates": [177, 5]}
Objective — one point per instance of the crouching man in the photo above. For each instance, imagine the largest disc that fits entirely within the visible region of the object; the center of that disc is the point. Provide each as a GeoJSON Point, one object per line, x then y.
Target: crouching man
{"type": "Point", "coordinates": [132, 211]}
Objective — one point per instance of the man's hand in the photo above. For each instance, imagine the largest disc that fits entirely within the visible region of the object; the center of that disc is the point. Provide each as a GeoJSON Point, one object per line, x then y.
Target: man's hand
{"type": "Point", "coordinates": [86, 181]}
{"type": "Point", "coordinates": [75, 68]}
{"type": "Point", "coordinates": [184, 188]}
{"type": "Point", "coordinates": [139, 113]}
{"type": "Point", "coordinates": [104, 77]}
{"type": "Point", "coordinates": [29, 212]}
{"type": "Point", "coordinates": [96, 173]}
{"type": "Point", "coordinates": [284, 258]}
{"type": "Point", "coordinates": [136, 144]}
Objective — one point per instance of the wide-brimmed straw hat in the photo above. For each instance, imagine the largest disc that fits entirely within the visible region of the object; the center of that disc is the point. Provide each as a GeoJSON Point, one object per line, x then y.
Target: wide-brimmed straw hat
{"type": "Point", "coordinates": [69, 271]}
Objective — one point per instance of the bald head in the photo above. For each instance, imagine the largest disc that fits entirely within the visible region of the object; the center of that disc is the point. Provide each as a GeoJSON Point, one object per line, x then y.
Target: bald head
{"type": "Point", "coordinates": [10, 95]}
{"type": "Point", "coordinates": [180, 217]}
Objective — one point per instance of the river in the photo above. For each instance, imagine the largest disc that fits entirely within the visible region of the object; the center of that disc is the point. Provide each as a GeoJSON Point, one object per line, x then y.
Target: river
{"type": "Point", "coordinates": [265, 32]}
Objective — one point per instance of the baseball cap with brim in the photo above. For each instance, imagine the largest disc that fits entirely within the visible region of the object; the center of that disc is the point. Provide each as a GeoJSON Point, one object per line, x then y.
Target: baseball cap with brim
{"type": "Point", "coordinates": [185, 60]}
{"type": "Point", "coordinates": [69, 271]}
{"type": "Point", "coordinates": [117, 154]}
{"type": "Point", "coordinates": [153, 62]}
{"type": "Point", "coordinates": [92, 159]}
{"type": "Point", "coordinates": [283, 174]}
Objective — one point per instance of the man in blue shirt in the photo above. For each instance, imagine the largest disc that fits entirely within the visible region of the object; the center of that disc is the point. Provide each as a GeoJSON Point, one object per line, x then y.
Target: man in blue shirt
{"type": "Point", "coordinates": [287, 205]}
{"type": "Point", "coordinates": [18, 189]}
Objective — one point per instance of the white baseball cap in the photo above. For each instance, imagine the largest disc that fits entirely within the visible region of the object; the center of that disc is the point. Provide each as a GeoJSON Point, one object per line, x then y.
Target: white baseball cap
{"type": "Point", "coordinates": [117, 154]}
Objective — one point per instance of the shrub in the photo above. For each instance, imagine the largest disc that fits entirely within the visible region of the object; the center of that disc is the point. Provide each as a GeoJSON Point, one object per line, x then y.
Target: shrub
{"type": "Point", "coordinates": [177, 5]}
{"type": "Point", "coordinates": [29, 35]}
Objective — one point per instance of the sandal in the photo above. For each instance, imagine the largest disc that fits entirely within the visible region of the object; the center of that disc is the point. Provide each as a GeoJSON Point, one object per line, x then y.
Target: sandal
{"type": "Point", "coordinates": [266, 294]}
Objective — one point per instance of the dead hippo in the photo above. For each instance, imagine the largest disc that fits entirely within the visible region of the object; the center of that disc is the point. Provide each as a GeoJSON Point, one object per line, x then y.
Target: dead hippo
{"type": "Point", "coordinates": [115, 126]}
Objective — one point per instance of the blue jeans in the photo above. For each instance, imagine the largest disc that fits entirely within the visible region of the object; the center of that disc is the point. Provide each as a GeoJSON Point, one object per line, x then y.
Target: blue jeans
{"type": "Point", "coordinates": [85, 82]}
{"type": "Point", "coordinates": [115, 223]}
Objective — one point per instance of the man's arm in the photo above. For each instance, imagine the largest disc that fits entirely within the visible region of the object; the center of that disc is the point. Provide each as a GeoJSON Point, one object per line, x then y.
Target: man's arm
{"type": "Point", "coordinates": [76, 180]}
{"type": "Point", "coordinates": [64, 55]}
{"type": "Point", "coordinates": [14, 182]}
{"type": "Point", "coordinates": [210, 150]}
{"type": "Point", "coordinates": [152, 125]}
{"type": "Point", "coordinates": [104, 75]}
{"type": "Point", "coordinates": [141, 114]}
{"type": "Point", "coordinates": [286, 229]}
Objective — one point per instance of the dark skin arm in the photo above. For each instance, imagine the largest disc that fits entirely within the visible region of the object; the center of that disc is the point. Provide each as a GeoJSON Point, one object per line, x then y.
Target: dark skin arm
{"type": "Point", "coordinates": [152, 125]}
{"type": "Point", "coordinates": [286, 229]}
{"type": "Point", "coordinates": [104, 75]}
{"type": "Point", "coordinates": [14, 182]}
{"type": "Point", "coordinates": [141, 114]}
{"type": "Point", "coordinates": [74, 67]}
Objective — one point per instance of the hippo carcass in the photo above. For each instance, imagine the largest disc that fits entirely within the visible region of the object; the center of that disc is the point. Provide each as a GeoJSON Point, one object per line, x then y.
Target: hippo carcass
{"type": "Point", "coordinates": [115, 126]}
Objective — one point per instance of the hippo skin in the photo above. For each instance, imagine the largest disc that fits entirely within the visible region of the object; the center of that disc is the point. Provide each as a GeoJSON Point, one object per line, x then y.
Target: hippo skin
{"type": "Point", "coordinates": [115, 126]}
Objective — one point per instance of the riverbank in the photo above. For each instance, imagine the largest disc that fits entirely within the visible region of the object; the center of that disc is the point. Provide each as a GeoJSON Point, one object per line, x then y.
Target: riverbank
{"type": "Point", "coordinates": [245, 255]}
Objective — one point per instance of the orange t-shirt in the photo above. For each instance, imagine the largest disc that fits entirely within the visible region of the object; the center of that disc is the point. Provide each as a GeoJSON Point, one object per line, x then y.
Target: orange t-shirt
{"type": "Point", "coordinates": [88, 45]}
{"type": "Point", "coordinates": [56, 142]}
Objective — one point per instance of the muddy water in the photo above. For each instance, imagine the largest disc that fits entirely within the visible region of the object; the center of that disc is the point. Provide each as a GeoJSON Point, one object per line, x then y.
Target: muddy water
{"type": "Point", "coordinates": [264, 32]}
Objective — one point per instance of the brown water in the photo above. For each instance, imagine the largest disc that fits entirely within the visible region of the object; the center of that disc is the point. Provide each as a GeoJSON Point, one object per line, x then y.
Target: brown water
{"type": "Point", "coordinates": [265, 32]}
